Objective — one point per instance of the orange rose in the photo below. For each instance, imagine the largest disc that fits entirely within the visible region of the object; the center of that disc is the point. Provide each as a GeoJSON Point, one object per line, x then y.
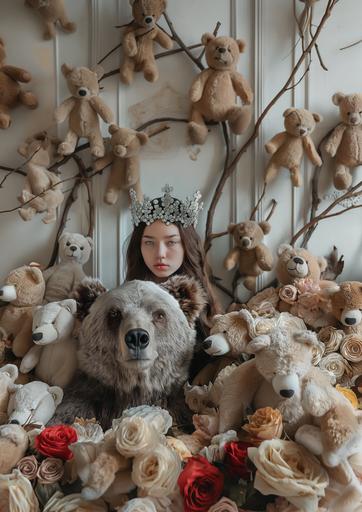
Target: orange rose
{"type": "Point", "coordinates": [265, 423]}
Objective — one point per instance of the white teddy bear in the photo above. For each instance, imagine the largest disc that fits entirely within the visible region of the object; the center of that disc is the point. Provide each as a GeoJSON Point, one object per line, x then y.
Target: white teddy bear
{"type": "Point", "coordinates": [62, 279]}
{"type": "Point", "coordinates": [55, 351]}
{"type": "Point", "coordinates": [8, 375]}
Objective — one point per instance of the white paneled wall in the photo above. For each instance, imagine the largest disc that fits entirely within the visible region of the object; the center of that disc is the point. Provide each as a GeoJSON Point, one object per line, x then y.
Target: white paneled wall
{"type": "Point", "coordinates": [268, 27]}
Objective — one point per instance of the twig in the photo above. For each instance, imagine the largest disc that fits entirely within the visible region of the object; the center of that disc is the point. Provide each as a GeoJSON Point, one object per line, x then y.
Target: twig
{"type": "Point", "coordinates": [11, 171]}
{"type": "Point", "coordinates": [255, 209]}
{"type": "Point", "coordinates": [218, 235]}
{"type": "Point", "coordinates": [109, 53]}
{"type": "Point", "coordinates": [83, 171]}
{"type": "Point", "coordinates": [214, 280]}
{"type": "Point", "coordinates": [215, 31]}
{"type": "Point", "coordinates": [351, 45]}
{"type": "Point", "coordinates": [272, 210]}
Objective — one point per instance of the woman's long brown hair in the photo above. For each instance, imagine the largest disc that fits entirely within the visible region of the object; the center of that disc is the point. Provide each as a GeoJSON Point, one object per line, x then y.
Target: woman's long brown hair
{"type": "Point", "coordinates": [194, 265]}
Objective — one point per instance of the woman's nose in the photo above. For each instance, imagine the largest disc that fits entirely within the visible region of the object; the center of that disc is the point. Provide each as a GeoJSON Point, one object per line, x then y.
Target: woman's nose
{"type": "Point", "coordinates": [161, 250]}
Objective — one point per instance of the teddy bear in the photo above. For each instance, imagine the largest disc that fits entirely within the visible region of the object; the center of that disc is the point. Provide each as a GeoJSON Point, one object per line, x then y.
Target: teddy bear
{"type": "Point", "coordinates": [82, 108]}
{"type": "Point", "coordinates": [298, 263]}
{"type": "Point", "coordinates": [38, 152]}
{"type": "Point", "coordinates": [54, 354]}
{"type": "Point", "coordinates": [249, 253]}
{"type": "Point", "coordinates": [24, 288]}
{"type": "Point", "coordinates": [213, 91]}
{"type": "Point", "coordinates": [8, 375]}
{"type": "Point", "coordinates": [52, 11]}
{"type": "Point", "coordinates": [124, 157]}
{"type": "Point", "coordinates": [287, 148]}
{"type": "Point", "coordinates": [64, 277]}
{"type": "Point", "coordinates": [10, 91]}
{"type": "Point", "coordinates": [344, 144]}
{"type": "Point", "coordinates": [138, 39]}
{"type": "Point", "coordinates": [14, 442]}
{"type": "Point", "coordinates": [34, 402]}
{"type": "Point", "coordinates": [282, 376]}
{"type": "Point", "coordinates": [346, 303]}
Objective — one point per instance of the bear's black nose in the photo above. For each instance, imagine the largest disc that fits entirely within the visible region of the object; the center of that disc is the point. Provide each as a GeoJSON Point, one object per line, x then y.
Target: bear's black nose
{"type": "Point", "coordinates": [73, 248]}
{"type": "Point", "coordinates": [37, 336]}
{"type": "Point", "coordinates": [299, 261]}
{"type": "Point", "coordinates": [82, 92]}
{"type": "Point", "coordinates": [206, 344]}
{"type": "Point", "coordinates": [14, 422]}
{"type": "Point", "coordinates": [287, 393]}
{"type": "Point", "coordinates": [137, 339]}
{"type": "Point", "coordinates": [148, 19]}
{"type": "Point", "coordinates": [221, 50]}
{"type": "Point", "coordinates": [350, 321]}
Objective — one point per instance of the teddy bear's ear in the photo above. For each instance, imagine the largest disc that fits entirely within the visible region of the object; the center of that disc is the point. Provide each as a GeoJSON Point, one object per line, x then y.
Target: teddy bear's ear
{"type": "Point", "coordinates": [317, 117]}
{"type": "Point", "coordinates": [284, 248]}
{"type": "Point", "coordinates": [22, 149]}
{"type": "Point", "coordinates": [86, 293]}
{"type": "Point", "coordinates": [216, 317]}
{"type": "Point", "coordinates": [322, 262]}
{"type": "Point", "coordinates": [63, 235]}
{"type": "Point", "coordinates": [265, 227]}
{"type": "Point", "coordinates": [189, 294]}
{"type": "Point", "coordinates": [11, 371]}
{"type": "Point", "coordinates": [232, 226]}
{"type": "Point", "coordinates": [66, 70]}
{"type": "Point", "coordinates": [98, 70]}
{"type": "Point", "coordinates": [57, 394]}
{"type": "Point", "coordinates": [206, 38]}
{"type": "Point", "coordinates": [142, 137]}
{"type": "Point", "coordinates": [307, 337]}
{"type": "Point", "coordinates": [338, 97]}
{"type": "Point", "coordinates": [289, 111]}
{"type": "Point", "coordinates": [132, 2]}
{"type": "Point", "coordinates": [257, 344]}
{"type": "Point", "coordinates": [70, 305]}
{"type": "Point", "coordinates": [241, 45]}
{"type": "Point", "coordinates": [90, 241]}
{"type": "Point", "coordinates": [112, 128]}
{"type": "Point", "coordinates": [36, 274]}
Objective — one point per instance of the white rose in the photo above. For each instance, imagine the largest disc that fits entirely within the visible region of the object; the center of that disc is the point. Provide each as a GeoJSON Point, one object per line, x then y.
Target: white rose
{"type": "Point", "coordinates": [138, 505]}
{"type": "Point", "coordinates": [156, 416]}
{"type": "Point", "coordinates": [134, 436]}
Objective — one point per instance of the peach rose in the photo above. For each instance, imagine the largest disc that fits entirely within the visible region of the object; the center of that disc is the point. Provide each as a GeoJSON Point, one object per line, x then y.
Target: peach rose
{"type": "Point", "coordinates": [336, 364]}
{"type": "Point", "coordinates": [351, 348]}
{"type": "Point", "coordinates": [50, 471]}
{"type": "Point", "coordinates": [288, 294]}
{"type": "Point", "coordinates": [28, 466]}
{"type": "Point", "coordinates": [331, 337]}
{"type": "Point", "coordinates": [349, 394]}
{"type": "Point", "coordinates": [224, 505]}
{"type": "Point", "coordinates": [265, 423]}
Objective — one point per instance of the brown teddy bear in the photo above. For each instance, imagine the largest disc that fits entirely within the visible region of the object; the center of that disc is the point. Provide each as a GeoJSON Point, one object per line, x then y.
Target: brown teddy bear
{"type": "Point", "coordinates": [83, 108]}
{"type": "Point", "coordinates": [24, 288]}
{"type": "Point", "coordinates": [287, 147]}
{"type": "Point", "coordinates": [252, 256]}
{"type": "Point", "coordinates": [124, 157]}
{"type": "Point", "coordinates": [138, 39]}
{"type": "Point", "coordinates": [347, 306]}
{"type": "Point", "coordinates": [10, 91]}
{"type": "Point", "coordinates": [213, 91]}
{"type": "Point", "coordinates": [52, 11]}
{"type": "Point", "coordinates": [344, 144]}
{"type": "Point", "coordinates": [39, 151]}
{"type": "Point", "coordinates": [297, 263]}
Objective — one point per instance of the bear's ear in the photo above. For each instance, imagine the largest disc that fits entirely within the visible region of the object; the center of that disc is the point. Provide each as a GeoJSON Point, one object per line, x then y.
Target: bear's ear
{"type": "Point", "coordinates": [90, 241]}
{"type": "Point", "coordinates": [317, 117]}
{"type": "Point", "coordinates": [289, 111]}
{"type": "Point", "coordinates": [142, 137]}
{"type": "Point", "coordinates": [189, 294]}
{"type": "Point", "coordinates": [36, 274]}
{"type": "Point", "coordinates": [216, 317]}
{"type": "Point", "coordinates": [98, 70]}
{"type": "Point", "coordinates": [112, 128]}
{"type": "Point", "coordinates": [22, 149]}
{"type": "Point", "coordinates": [241, 45]}
{"type": "Point", "coordinates": [206, 38]}
{"type": "Point", "coordinates": [265, 227]}
{"type": "Point", "coordinates": [132, 2]}
{"type": "Point", "coordinates": [284, 248]}
{"type": "Point", "coordinates": [338, 97]}
{"type": "Point", "coordinates": [308, 338]}
{"type": "Point", "coordinates": [322, 262]}
{"type": "Point", "coordinates": [70, 305]}
{"type": "Point", "coordinates": [257, 344]}
{"type": "Point", "coordinates": [86, 293]}
{"type": "Point", "coordinates": [63, 235]}
{"type": "Point", "coordinates": [232, 226]}
{"type": "Point", "coordinates": [66, 70]}
{"type": "Point", "coordinates": [57, 394]}
{"type": "Point", "coordinates": [11, 371]}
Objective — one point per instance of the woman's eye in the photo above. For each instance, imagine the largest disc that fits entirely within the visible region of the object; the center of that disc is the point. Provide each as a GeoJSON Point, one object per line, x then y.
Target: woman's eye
{"type": "Point", "coordinates": [171, 242]}
{"type": "Point", "coordinates": [149, 243]}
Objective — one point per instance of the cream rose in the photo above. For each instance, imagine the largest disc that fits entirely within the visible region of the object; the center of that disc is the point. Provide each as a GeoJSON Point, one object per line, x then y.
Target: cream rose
{"type": "Point", "coordinates": [224, 505]}
{"type": "Point", "coordinates": [265, 423]}
{"type": "Point", "coordinates": [351, 348]}
{"type": "Point", "coordinates": [179, 447]}
{"type": "Point", "coordinates": [73, 503]}
{"type": "Point", "coordinates": [134, 436]}
{"type": "Point", "coordinates": [336, 364]}
{"type": "Point", "coordinates": [156, 416]}
{"type": "Point", "coordinates": [287, 469]}
{"type": "Point", "coordinates": [331, 337]}
{"type": "Point", "coordinates": [28, 466]}
{"type": "Point", "coordinates": [50, 471]}
{"type": "Point", "coordinates": [16, 493]}
{"type": "Point", "coordinates": [88, 430]}
{"type": "Point", "coordinates": [157, 472]}
{"type": "Point", "coordinates": [288, 294]}
{"type": "Point", "coordinates": [138, 505]}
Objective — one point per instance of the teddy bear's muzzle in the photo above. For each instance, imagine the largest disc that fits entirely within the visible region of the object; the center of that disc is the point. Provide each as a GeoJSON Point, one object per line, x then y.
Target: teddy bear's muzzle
{"type": "Point", "coordinates": [8, 293]}
{"type": "Point", "coordinates": [351, 317]}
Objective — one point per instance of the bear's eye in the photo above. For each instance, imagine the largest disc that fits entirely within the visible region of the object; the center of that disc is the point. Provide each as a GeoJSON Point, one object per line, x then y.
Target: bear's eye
{"type": "Point", "coordinates": [251, 238]}
{"type": "Point", "coordinates": [224, 332]}
{"type": "Point", "coordinates": [348, 113]}
{"type": "Point", "coordinates": [360, 112]}
{"type": "Point", "coordinates": [67, 244]}
{"type": "Point", "coordinates": [159, 316]}
{"type": "Point", "coordinates": [81, 248]}
{"type": "Point", "coordinates": [114, 316]}
{"type": "Point", "coordinates": [298, 125]}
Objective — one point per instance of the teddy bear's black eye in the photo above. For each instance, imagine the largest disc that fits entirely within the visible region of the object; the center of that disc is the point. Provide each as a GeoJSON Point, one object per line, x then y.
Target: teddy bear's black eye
{"type": "Point", "coordinates": [68, 244]}
{"type": "Point", "coordinates": [298, 125]}
{"type": "Point", "coordinates": [81, 248]}
{"type": "Point", "coordinates": [348, 113]}
{"type": "Point", "coordinates": [251, 238]}
{"type": "Point", "coordinates": [360, 112]}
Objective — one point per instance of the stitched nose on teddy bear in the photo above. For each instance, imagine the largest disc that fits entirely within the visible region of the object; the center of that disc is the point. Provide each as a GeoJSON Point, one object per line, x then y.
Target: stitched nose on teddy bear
{"type": "Point", "coordinates": [287, 393]}
{"type": "Point", "coordinates": [351, 317]}
{"type": "Point", "coordinates": [303, 131]}
{"type": "Point", "coordinates": [37, 336]}
{"type": "Point", "coordinates": [82, 91]}
{"type": "Point", "coordinates": [137, 339]}
{"type": "Point", "coordinates": [148, 19]}
{"type": "Point", "coordinates": [298, 261]}
{"type": "Point", "coordinates": [221, 49]}
{"type": "Point", "coordinates": [245, 242]}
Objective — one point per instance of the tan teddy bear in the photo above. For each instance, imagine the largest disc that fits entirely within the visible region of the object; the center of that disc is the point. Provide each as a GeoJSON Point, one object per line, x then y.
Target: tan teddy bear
{"type": "Point", "coordinates": [138, 39]}
{"type": "Point", "coordinates": [297, 263]}
{"type": "Point", "coordinates": [24, 288]}
{"type": "Point", "coordinates": [52, 11]}
{"type": "Point", "coordinates": [213, 91]}
{"type": "Point", "coordinates": [347, 306]}
{"type": "Point", "coordinates": [124, 157]}
{"type": "Point", "coordinates": [249, 253]}
{"type": "Point", "coordinates": [344, 144]}
{"type": "Point", "coordinates": [39, 151]}
{"type": "Point", "coordinates": [287, 148]}
{"type": "Point", "coordinates": [83, 108]}
{"type": "Point", "coordinates": [10, 91]}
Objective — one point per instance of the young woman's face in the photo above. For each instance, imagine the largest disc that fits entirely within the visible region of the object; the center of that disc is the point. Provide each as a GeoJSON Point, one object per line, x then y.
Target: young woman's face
{"type": "Point", "coordinates": [162, 249]}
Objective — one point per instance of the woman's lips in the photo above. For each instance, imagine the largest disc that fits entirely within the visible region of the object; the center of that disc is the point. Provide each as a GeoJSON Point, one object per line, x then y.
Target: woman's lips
{"type": "Point", "coordinates": [161, 266]}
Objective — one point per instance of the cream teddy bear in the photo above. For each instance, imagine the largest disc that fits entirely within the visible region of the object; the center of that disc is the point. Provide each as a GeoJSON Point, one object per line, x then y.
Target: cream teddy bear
{"type": "Point", "coordinates": [8, 375]}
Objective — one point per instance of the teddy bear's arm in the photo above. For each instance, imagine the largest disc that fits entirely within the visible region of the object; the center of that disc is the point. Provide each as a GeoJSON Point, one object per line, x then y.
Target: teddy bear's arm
{"type": "Point", "coordinates": [48, 273]}
{"type": "Point", "coordinates": [62, 112]}
{"type": "Point", "coordinates": [102, 109]}
{"type": "Point", "coordinates": [102, 163]}
{"type": "Point", "coordinates": [317, 394]}
{"type": "Point", "coordinates": [274, 144]}
{"type": "Point", "coordinates": [163, 39]}
{"type": "Point", "coordinates": [23, 340]}
{"type": "Point", "coordinates": [242, 88]}
{"type": "Point", "coordinates": [197, 87]}
{"type": "Point", "coordinates": [264, 257]}
{"type": "Point", "coordinates": [232, 259]}
{"type": "Point", "coordinates": [129, 42]}
{"type": "Point", "coordinates": [311, 151]}
{"type": "Point", "coordinates": [19, 74]}
{"type": "Point", "coordinates": [31, 359]}
{"type": "Point", "coordinates": [334, 140]}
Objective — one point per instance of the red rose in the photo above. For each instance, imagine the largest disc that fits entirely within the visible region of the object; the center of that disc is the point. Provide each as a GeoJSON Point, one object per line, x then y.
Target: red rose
{"type": "Point", "coordinates": [54, 441]}
{"type": "Point", "coordinates": [235, 460]}
{"type": "Point", "coordinates": [201, 484]}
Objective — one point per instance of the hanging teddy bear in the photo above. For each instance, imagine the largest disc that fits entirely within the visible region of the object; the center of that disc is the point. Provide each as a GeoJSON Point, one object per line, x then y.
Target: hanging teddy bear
{"type": "Point", "coordinates": [213, 91]}
{"type": "Point", "coordinates": [52, 11]}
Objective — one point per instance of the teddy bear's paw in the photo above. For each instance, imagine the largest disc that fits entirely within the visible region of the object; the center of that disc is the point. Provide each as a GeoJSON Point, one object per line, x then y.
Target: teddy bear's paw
{"type": "Point", "coordinates": [97, 151]}
{"type": "Point", "coordinates": [126, 76]}
{"type": "Point", "coordinates": [342, 179]}
{"type": "Point", "coordinates": [30, 100]}
{"type": "Point", "coordinates": [309, 436]}
{"type": "Point", "coordinates": [197, 133]}
{"type": "Point", "coordinates": [296, 178]}
{"type": "Point", "coordinates": [90, 494]}
{"type": "Point", "coordinates": [250, 283]}
{"type": "Point", "coordinates": [242, 121]}
{"type": "Point", "coordinates": [69, 27]}
{"type": "Point", "coordinates": [26, 213]}
{"type": "Point", "coordinates": [5, 121]}
{"type": "Point", "coordinates": [216, 345]}
{"type": "Point", "coordinates": [331, 459]}
{"type": "Point", "coordinates": [151, 74]}
{"type": "Point", "coordinates": [330, 150]}
{"type": "Point", "coordinates": [48, 219]}
{"type": "Point", "coordinates": [65, 149]}
{"type": "Point", "coordinates": [111, 197]}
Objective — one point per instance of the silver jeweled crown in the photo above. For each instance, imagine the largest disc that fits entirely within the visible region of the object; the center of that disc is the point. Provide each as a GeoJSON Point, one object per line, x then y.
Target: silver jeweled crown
{"type": "Point", "coordinates": [166, 208]}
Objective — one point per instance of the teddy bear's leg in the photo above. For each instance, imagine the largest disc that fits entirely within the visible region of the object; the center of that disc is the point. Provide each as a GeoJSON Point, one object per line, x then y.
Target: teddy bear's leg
{"type": "Point", "coordinates": [239, 119]}
{"type": "Point", "coordinates": [271, 172]}
{"type": "Point", "coordinates": [150, 70]}
{"type": "Point", "coordinates": [127, 70]}
{"type": "Point", "coordinates": [250, 283]}
{"type": "Point", "coordinates": [5, 119]}
{"type": "Point", "coordinates": [96, 143]}
{"type": "Point", "coordinates": [50, 217]}
{"type": "Point", "coordinates": [65, 23]}
{"type": "Point", "coordinates": [23, 340]}
{"type": "Point", "coordinates": [342, 177]}
{"type": "Point", "coordinates": [49, 32]}
{"type": "Point", "coordinates": [27, 213]}
{"type": "Point", "coordinates": [310, 437]}
{"type": "Point", "coordinates": [28, 99]}
{"type": "Point", "coordinates": [68, 146]}
{"type": "Point", "coordinates": [295, 176]}
{"type": "Point", "coordinates": [197, 127]}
